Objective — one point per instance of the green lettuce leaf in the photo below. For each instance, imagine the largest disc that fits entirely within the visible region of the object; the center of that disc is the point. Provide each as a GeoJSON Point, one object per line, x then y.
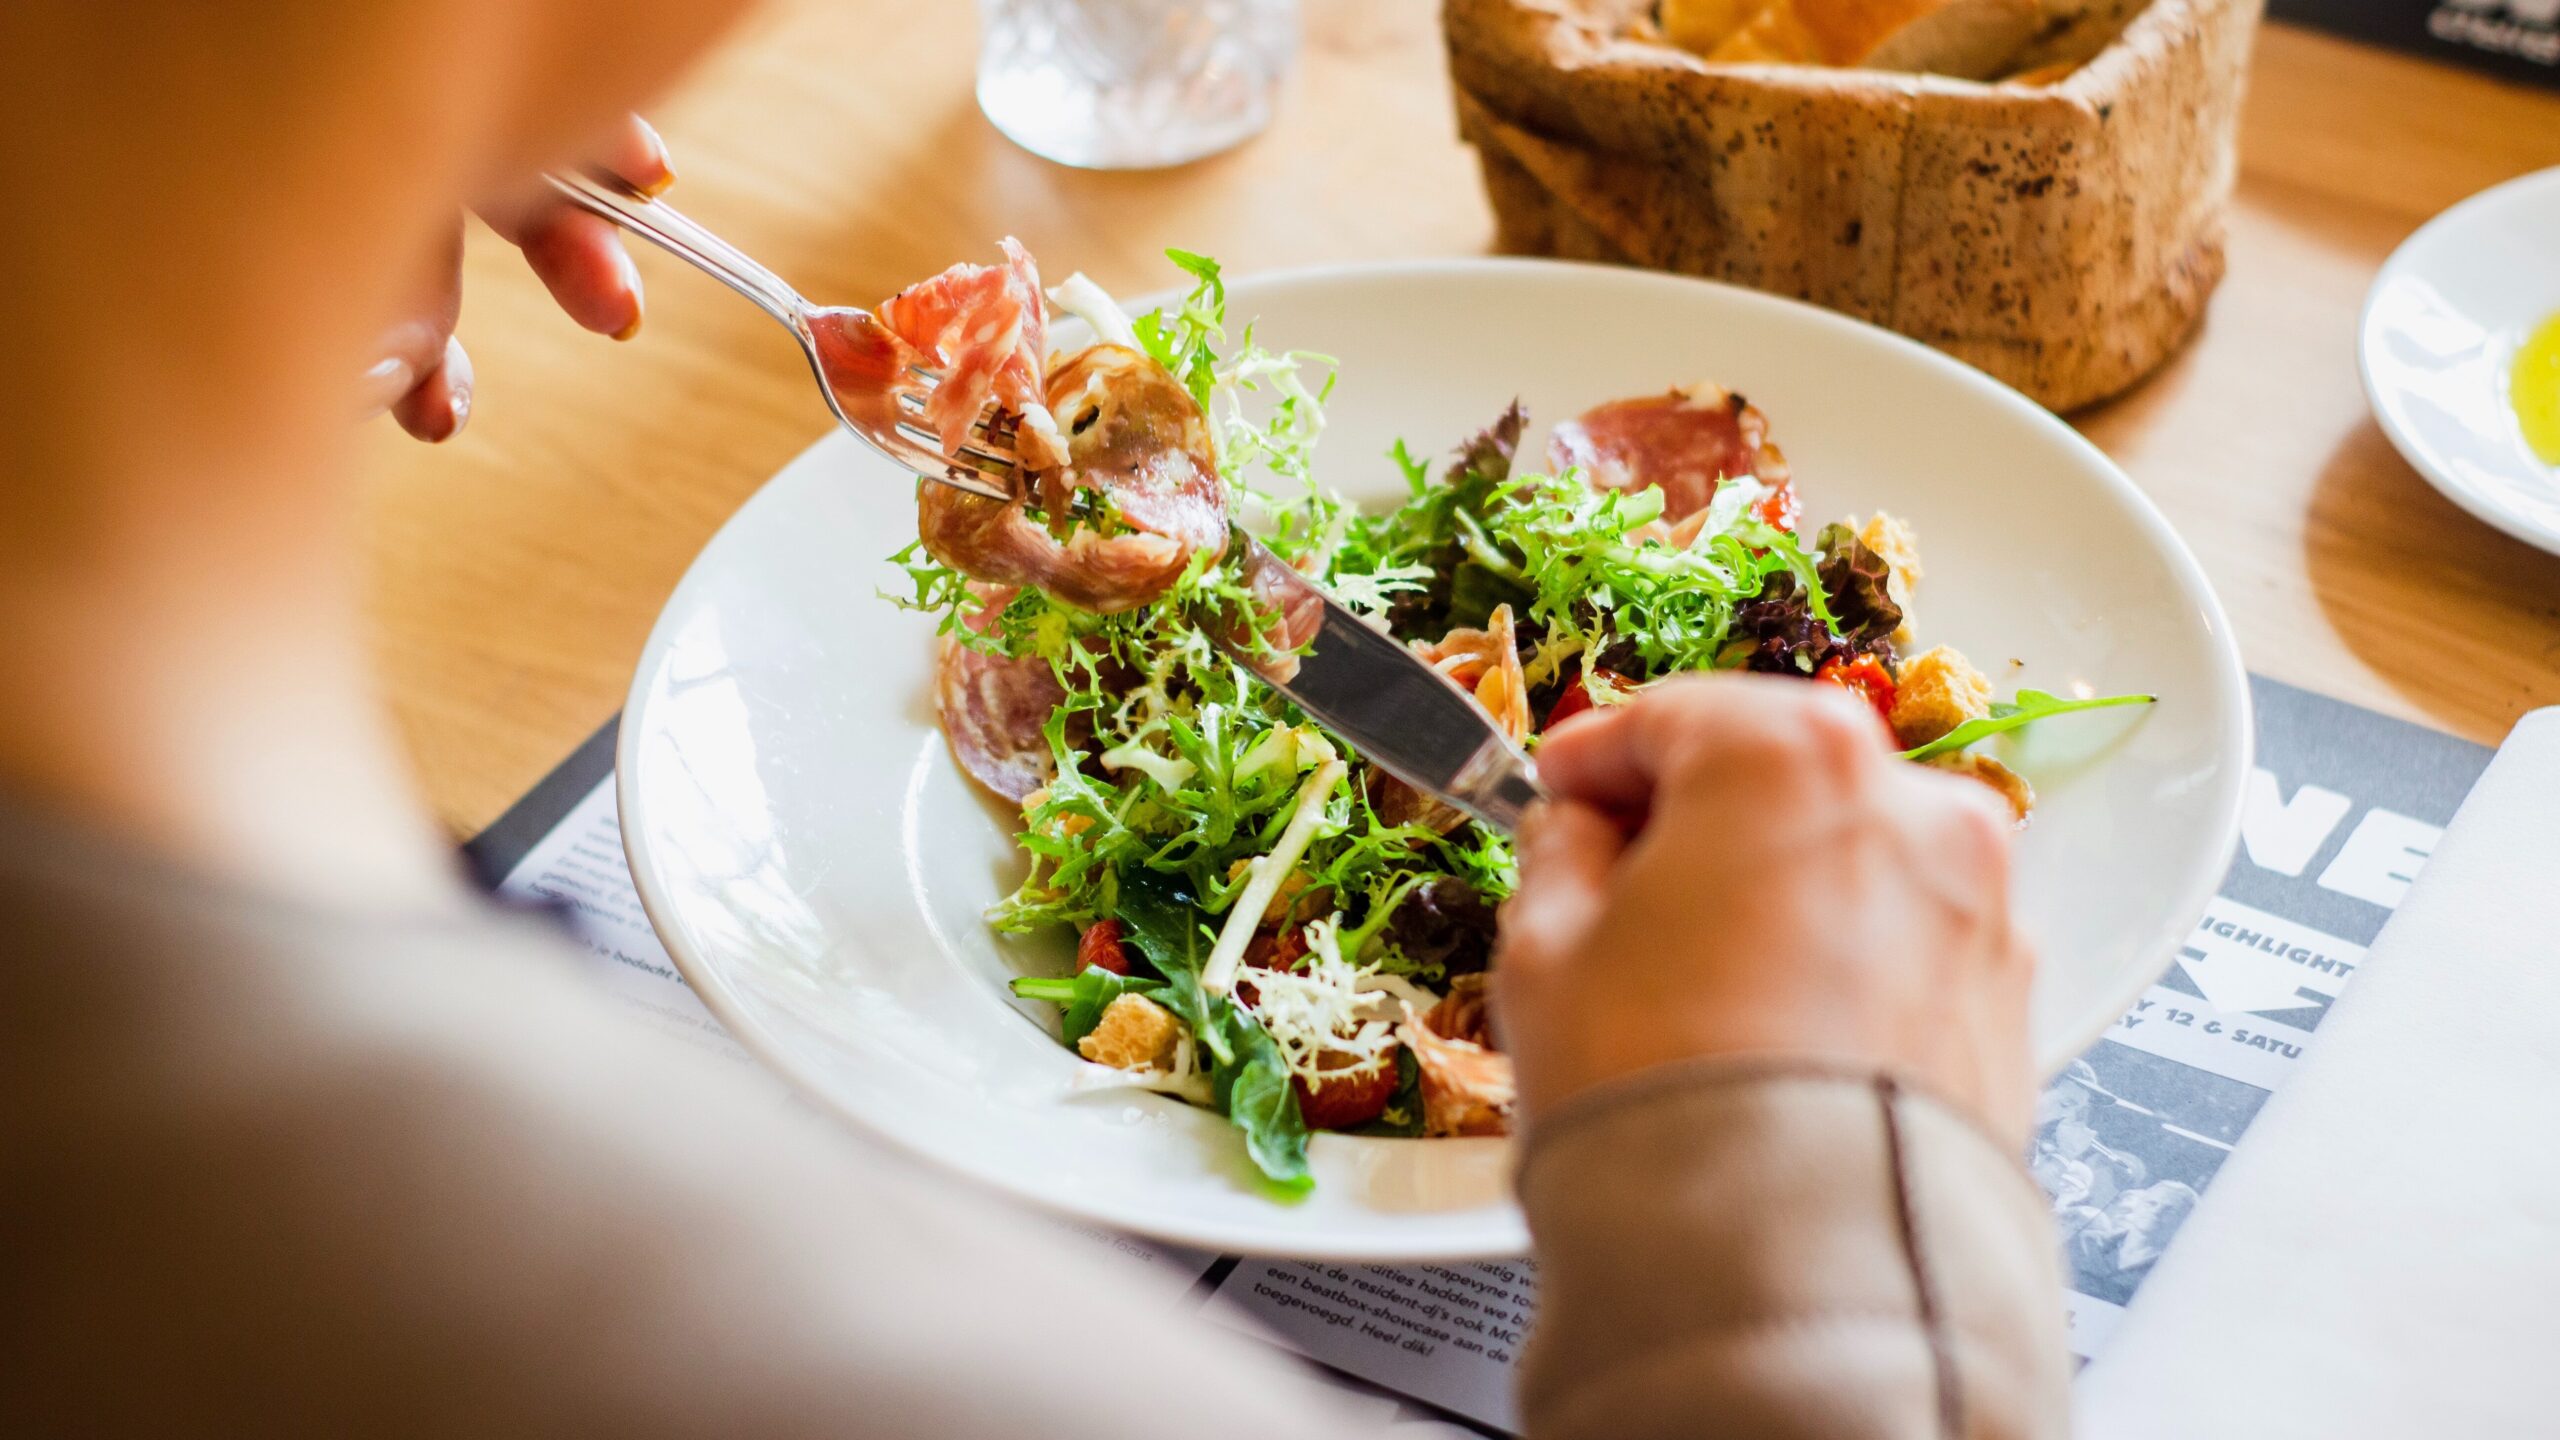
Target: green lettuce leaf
{"type": "Point", "coordinates": [2029, 707]}
{"type": "Point", "coordinates": [1085, 997]}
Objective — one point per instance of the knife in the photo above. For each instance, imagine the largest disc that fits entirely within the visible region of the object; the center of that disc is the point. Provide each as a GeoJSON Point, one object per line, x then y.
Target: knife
{"type": "Point", "coordinates": [1387, 702]}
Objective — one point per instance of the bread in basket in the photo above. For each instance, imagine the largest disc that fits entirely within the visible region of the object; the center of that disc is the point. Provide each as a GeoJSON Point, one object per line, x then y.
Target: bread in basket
{"type": "Point", "coordinates": [2061, 230]}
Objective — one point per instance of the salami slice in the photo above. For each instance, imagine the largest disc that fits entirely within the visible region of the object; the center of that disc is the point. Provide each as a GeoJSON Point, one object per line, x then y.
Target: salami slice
{"type": "Point", "coordinates": [1683, 443]}
{"type": "Point", "coordinates": [1134, 435]}
{"type": "Point", "coordinates": [992, 711]}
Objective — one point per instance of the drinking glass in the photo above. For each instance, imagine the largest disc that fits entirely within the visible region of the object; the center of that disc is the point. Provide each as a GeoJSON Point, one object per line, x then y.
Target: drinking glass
{"type": "Point", "coordinates": [1132, 84]}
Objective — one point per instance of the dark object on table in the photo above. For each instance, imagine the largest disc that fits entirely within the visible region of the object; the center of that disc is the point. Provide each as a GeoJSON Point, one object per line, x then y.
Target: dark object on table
{"type": "Point", "coordinates": [2519, 39]}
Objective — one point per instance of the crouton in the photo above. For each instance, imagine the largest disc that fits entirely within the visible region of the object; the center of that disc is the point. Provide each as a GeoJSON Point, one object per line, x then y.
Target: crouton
{"type": "Point", "coordinates": [1894, 543]}
{"type": "Point", "coordinates": [2013, 787]}
{"type": "Point", "coordinates": [1934, 692]}
{"type": "Point", "coordinates": [1136, 1033]}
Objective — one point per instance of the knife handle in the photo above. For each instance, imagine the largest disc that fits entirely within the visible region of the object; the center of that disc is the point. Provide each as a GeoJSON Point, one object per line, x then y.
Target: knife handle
{"type": "Point", "coordinates": [1497, 787]}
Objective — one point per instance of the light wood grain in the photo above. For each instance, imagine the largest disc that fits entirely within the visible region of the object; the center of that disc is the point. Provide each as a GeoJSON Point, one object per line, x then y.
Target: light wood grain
{"type": "Point", "coordinates": [517, 571]}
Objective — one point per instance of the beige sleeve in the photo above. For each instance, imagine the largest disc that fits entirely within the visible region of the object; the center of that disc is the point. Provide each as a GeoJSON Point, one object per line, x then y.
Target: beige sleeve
{"type": "Point", "coordinates": [1755, 1249]}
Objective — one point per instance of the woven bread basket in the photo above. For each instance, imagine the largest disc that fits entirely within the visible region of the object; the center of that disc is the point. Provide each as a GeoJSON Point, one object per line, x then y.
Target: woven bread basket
{"type": "Point", "coordinates": [2063, 237]}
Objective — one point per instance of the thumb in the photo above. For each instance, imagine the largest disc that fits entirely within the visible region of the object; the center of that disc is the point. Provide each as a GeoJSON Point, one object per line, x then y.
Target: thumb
{"type": "Point", "coordinates": [1568, 851]}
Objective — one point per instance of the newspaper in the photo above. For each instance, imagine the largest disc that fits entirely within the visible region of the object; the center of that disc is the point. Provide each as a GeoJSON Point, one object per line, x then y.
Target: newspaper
{"type": "Point", "coordinates": [2343, 808]}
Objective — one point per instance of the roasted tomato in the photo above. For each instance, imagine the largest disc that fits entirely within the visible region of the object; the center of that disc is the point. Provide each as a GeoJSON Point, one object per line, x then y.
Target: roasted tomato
{"type": "Point", "coordinates": [1577, 699]}
{"type": "Point", "coordinates": [1350, 1097]}
{"type": "Point", "coordinates": [1865, 677]}
{"type": "Point", "coordinates": [1102, 948]}
{"type": "Point", "coordinates": [1276, 948]}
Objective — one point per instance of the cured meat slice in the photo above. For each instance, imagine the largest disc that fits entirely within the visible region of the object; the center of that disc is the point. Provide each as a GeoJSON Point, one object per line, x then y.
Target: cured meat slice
{"type": "Point", "coordinates": [986, 328]}
{"type": "Point", "coordinates": [1684, 443]}
{"type": "Point", "coordinates": [1128, 488]}
{"type": "Point", "coordinates": [1467, 1087]}
{"type": "Point", "coordinates": [1486, 663]}
{"type": "Point", "coordinates": [1135, 435]}
{"type": "Point", "coordinates": [1136, 438]}
{"type": "Point", "coordinates": [992, 708]}
{"type": "Point", "coordinates": [1289, 609]}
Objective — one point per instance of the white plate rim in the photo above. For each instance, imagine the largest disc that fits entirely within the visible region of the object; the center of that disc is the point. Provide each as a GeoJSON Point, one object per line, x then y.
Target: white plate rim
{"type": "Point", "coordinates": [2482, 507]}
{"type": "Point", "coordinates": [1499, 1241]}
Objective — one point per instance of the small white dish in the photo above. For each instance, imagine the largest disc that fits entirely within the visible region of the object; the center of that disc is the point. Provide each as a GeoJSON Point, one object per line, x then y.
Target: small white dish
{"type": "Point", "coordinates": [818, 866]}
{"type": "Point", "coordinates": [2440, 331]}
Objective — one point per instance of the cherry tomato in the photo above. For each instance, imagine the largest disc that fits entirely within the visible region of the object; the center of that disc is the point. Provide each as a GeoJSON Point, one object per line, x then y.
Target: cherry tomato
{"type": "Point", "coordinates": [1779, 508]}
{"type": "Point", "coordinates": [1865, 677]}
{"type": "Point", "coordinates": [1348, 1098]}
{"type": "Point", "coordinates": [1101, 948]}
{"type": "Point", "coordinates": [1575, 698]}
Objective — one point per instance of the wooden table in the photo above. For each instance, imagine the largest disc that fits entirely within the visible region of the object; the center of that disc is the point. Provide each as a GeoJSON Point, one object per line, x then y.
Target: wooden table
{"type": "Point", "coordinates": [517, 571]}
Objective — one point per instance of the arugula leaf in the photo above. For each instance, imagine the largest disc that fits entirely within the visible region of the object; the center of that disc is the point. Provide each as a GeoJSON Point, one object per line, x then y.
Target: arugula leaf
{"type": "Point", "coordinates": [2029, 707]}
{"type": "Point", "coordinates": [1162, 921]}
{"type": "Point", "coordinates": [1085, 997]}
{"type": "Point", "coordinates": [1260, 1100]}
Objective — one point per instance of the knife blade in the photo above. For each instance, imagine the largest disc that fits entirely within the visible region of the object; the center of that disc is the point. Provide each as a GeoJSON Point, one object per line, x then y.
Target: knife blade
{"type": "Point", "coordinates": [1387, 702]}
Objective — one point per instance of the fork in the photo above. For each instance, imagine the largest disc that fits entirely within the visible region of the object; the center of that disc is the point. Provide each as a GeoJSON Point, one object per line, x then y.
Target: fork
{"type": "Point", "coordinates": [1387, 702]}
{"type": "Point", "coordinates": [863, 370]}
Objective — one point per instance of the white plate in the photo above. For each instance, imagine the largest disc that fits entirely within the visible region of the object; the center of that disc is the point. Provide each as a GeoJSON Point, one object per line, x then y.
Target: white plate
{"type": "Point", "coordinates": [2440, 331]}
{"type": "Point", "coordinates": [818, 866]}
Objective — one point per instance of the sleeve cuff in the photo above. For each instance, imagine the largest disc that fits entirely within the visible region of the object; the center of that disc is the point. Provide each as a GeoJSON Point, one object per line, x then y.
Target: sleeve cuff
{"type": "Point", "coordinates": [1777, 1238]}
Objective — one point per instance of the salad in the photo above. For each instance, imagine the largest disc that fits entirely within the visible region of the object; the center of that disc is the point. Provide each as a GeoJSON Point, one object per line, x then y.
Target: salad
{"type": "Point", "coordinates": [1264, 924]}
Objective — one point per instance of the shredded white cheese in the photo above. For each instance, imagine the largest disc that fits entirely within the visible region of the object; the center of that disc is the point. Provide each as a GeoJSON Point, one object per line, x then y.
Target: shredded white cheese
{"type": "Point", "coordinates": [1330, 1005]}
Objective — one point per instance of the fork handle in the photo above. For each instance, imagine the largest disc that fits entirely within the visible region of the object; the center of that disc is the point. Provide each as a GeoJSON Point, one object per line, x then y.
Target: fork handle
{"type": "Point", "coordinates": [672, 230]}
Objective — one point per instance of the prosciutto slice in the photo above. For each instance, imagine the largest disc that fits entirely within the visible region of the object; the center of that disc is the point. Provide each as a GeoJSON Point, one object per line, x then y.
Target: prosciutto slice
{"type": "Point", "coordinates": [986, 328]}
{"type": "Point", "coordinates": [1134, 435]}
{"type": "Point", "coordinates": [1485, 663]}
{"type": "Point", "coordinates": [1467, 1085]}
{"type": "Point", "coordinates": [1684, 443]}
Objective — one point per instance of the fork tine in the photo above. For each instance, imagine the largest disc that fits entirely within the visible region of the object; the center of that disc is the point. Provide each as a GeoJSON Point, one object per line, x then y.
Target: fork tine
{"type": "Point", "coordinates": [992, 425]}
{"type": "Point", "coordinates": [979, 457]}
{"type": "Point", "coordinates": [991, 421]}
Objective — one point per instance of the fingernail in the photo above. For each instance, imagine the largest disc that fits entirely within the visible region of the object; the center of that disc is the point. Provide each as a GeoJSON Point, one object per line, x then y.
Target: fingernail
{"type": "Point", "coordinates": [659, 183]}
{"type": "Point", "coordinates": [385, 383]}
{"type": "Point", "coordinates": [639, 300]}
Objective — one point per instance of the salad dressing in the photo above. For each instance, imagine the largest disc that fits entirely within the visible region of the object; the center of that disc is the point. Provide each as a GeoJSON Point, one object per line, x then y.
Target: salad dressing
{"type": "Point", "coordinates": [2533, 389]}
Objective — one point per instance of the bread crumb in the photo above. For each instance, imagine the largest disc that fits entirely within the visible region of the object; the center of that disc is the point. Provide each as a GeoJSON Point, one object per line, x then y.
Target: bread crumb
{"type": "Point", "coordinates": [1936, 691]}
{"type": "Point", "coordinates": [1135, 1033]}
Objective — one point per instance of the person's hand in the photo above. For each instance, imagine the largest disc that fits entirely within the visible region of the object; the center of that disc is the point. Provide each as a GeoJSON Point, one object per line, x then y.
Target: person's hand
{"type": "Point", "coordinates": [1791, 889]}
{"type": "Point", "coordinates": [423, 377]}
